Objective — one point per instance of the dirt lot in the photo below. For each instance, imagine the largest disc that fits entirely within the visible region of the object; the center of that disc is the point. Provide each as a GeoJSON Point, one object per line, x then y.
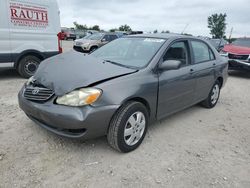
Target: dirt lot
{"type": "Point", "coordinates": [194, 148]}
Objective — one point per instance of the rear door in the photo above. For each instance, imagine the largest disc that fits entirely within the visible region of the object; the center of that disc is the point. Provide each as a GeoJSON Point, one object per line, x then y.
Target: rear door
{"type": "Point", "coordinates": [204, 64]}
{"type": "Point", "coordinates": [176, 87]}
{"type": "Point", "coordinates": [5, 49]}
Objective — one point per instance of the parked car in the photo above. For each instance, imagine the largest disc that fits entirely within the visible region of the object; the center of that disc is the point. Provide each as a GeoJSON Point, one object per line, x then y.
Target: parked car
{"type": "Point", "coordinates": [238, 54]}
{"type": "Point", "coordinates": [80, 34]}
{"type": "Point", "coordinates": [94, 41]}
{"type": "Point", "coordinates": [120, 88]}
{"type": "Point", "coordinates": [69, 34]}
{"type": "Point", "coordinates": [218, 43]}
{"type": "Point", "coordinates": [28, 33]}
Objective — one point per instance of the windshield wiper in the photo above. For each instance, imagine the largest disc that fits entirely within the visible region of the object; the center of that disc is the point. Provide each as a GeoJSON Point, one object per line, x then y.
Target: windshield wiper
{"type": "Point", "coordinates": [115, 63]}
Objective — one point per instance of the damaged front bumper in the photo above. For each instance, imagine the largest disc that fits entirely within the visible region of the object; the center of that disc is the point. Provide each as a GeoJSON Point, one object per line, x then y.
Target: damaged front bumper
{"type": "Point", "coordinates": [235, 64]}
{"type": "Point", "coordinates": [74, 122]}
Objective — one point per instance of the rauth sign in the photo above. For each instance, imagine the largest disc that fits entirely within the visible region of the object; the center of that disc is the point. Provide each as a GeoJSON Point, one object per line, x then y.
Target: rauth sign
{"type": "Point", "coordinates": [28, 15]}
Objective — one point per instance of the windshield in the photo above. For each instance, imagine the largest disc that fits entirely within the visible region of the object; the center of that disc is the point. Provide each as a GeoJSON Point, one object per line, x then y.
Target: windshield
{"type": "Point", "coordinates": [242, 42]}
{"type": "Point", "coordinates": [86, 37]}
{"type": "Point", "coordinates": [130, 52]}
{"type": "Point", "coordinates": [96, 36]}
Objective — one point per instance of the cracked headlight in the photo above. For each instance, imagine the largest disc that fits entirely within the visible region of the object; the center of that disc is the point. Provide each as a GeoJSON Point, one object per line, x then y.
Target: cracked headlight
{"type": "Point", "coordinates": [81, 97]}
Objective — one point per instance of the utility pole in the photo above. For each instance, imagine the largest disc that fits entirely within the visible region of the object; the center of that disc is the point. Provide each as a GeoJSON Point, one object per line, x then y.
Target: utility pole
{"type": "Point", "coordinates": [231, 34]}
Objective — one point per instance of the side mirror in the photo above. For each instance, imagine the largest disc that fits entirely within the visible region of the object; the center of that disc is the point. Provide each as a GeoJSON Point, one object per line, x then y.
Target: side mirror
{"type": "Point", "coordinates": [170, 65]}
{"type": "Point", "coordinates": [103, 40]}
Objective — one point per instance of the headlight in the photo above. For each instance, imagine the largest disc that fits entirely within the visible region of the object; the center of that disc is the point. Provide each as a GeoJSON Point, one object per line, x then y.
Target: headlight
{"type": "Point", "coordinates": [78, 43]}
{"type": "Point", "coordinates": [223, 53]}
{"type": "Point", "coordinates": [81, 97]}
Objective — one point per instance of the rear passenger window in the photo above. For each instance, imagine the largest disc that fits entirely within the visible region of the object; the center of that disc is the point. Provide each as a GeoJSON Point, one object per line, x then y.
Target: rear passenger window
{"type": "Point", "coordinates": [201, 52]}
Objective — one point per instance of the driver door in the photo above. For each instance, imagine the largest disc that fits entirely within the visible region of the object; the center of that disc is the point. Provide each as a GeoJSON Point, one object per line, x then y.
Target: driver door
{"type": "Point", "coordinates": [105, 39]}
{"type": "Point", "coordinates": [176, 87]}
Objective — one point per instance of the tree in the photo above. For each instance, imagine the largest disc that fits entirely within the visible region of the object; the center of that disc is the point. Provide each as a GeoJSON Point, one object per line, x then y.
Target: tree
{"type": "Point", "coordinates": [167, 31]}
{"type": "Point", "coordinates": [113, 30]}
{"type": "Point", "coordinates": [217, 25]}
{"type": "Point", "coordinates": [155, 31]}
{"type": "Point", "coordinates": [125, 28]}
{"type": "Point", "coordinates": [79, 26]}
{"type": "Point", "coordinates": [95, 27]}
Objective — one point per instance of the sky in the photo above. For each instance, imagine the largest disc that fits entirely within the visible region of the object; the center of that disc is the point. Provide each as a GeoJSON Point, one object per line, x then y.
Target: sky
{"type": "Point", "coordinates": [148, 15]}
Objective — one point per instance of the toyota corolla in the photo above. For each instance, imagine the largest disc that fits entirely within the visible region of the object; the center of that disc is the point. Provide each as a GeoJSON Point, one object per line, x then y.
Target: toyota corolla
{"type": "Point", "coordinates": [119, 89]}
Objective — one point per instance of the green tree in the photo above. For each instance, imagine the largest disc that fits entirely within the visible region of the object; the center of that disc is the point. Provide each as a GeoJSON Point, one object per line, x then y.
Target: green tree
{"type": "Point", "coordinates": [217, 25]}
{"type": "Point", "coordinates": [167, 31]}
{"type": "Point", "coordinates": [79, 26]}
{"type": "Point", "coordinates": [125, 28]}
{"type": "Point", "coordinates": [113, 30]}
{"type": "Point", "coordinates": [95, 27]}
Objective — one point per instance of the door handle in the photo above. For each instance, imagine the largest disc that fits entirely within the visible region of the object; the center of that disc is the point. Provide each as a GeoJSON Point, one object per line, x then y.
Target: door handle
{"type": "Point", "coordinates": [191, 71]}
{"type": "Point", "coordinates": [214, 64]}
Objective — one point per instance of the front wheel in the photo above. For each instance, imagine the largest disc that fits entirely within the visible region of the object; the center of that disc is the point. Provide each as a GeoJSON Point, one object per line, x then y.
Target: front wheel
{"type": "Point", "coordinates": [92, 49]}
{"type": "Point", "coordinates": [213, 96]}
{"type": "Point", "coordinates": [128, 127]}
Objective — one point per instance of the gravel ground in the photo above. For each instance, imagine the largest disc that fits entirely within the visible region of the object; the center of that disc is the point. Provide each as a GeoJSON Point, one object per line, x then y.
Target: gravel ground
{"type": "Point", "coordinates": [194, 148]}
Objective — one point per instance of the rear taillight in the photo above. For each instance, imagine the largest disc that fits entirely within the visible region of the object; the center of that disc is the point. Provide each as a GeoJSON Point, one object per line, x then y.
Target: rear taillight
{"type": "Point", "coordinates": [59, 36]}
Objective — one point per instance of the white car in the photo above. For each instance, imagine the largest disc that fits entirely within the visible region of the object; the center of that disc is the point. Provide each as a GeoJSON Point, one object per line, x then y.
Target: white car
{"type": "Point", "coordinates": [28, 33]}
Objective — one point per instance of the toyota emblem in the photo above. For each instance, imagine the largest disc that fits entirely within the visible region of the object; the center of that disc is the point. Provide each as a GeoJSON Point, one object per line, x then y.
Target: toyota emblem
{"type": "Point", "coordinates": [35, 91]}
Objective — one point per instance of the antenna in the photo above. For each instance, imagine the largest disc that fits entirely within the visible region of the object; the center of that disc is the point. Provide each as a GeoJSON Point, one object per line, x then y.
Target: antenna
{"type": "Point", "coordinates": [184, 28]}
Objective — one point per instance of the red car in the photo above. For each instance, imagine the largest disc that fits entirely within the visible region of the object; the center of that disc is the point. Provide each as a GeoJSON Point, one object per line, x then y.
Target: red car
{"type": "Point", "coordinates": [238, 54]}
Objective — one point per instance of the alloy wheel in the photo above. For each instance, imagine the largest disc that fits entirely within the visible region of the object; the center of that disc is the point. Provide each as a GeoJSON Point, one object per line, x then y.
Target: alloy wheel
{"type": "Point", "coordinates": [134, 128]}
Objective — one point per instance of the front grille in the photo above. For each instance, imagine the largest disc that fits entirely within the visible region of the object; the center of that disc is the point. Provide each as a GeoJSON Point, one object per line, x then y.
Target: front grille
{"type": "Point", "coordinates": [38, 94]}
{"type": "Point", "coordinates": [239, 57]}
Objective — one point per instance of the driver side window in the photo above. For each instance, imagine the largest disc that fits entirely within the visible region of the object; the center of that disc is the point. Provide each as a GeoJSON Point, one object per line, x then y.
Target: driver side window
{"type": "Point", "coordinates": [106, 37]}
{"type": "Point", "coordinates": [177, 51]}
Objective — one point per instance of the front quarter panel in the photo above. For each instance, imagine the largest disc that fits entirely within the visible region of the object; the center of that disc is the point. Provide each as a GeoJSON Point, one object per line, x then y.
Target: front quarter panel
{"type": "Point", "coordinates": [142, 84]}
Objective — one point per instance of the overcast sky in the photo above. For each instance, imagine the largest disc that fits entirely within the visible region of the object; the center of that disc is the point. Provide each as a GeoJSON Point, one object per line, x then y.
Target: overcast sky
{"type": "Point", "coordinates": [148, 15]}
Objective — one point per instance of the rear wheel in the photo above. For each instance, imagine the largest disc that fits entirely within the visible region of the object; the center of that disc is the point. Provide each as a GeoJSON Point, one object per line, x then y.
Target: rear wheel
{"type": "Point", "coordinates": [28, 65]}
{"type": "Point", "coordinates": [128, 127]}
{"type": "Point", "coordinates": [213, 97]}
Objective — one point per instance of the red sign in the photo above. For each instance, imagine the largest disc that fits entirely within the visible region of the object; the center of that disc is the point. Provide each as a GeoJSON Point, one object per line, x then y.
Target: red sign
{"type": "Point", "coordinates": [28, 15]}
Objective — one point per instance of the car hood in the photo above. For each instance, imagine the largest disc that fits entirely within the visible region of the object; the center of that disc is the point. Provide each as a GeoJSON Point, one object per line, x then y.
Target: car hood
{"type": "Point", "coordinates": [230, 48]}
{"type": "Point", "coordinates": [68, 71]}
{"type": "Point", "coordinates": [85, 40]}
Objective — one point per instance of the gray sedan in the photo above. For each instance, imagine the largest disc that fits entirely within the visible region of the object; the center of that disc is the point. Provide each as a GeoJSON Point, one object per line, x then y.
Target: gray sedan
{"type": "Point", "coordinates": [119, 89]}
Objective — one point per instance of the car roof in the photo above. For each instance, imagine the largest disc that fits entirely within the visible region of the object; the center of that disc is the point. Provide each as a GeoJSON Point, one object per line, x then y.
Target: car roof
{"type": "Point", "coordinates": [163, 36]}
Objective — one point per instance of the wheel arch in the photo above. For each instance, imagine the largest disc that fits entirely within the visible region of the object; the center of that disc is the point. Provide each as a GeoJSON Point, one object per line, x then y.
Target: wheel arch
{"type": "Point", "coordinates": [220, 80]}
{"type": "Point", "coordinates": [36, 53]}
{"type": "Point", "coordinates": [94, 46]}
{"type": "Point", "coordinates": [141, 100]}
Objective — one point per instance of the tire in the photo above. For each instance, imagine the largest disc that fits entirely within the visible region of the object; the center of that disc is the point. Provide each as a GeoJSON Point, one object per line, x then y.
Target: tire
{"type": "Point", "coordinates": [92, 49]}
{"type": "Point", "coordinates": [213, 96]}
{"type": "Point", "coordinates": [121, 122]}
{"type": "Point", "coordinates": [28, 65]}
